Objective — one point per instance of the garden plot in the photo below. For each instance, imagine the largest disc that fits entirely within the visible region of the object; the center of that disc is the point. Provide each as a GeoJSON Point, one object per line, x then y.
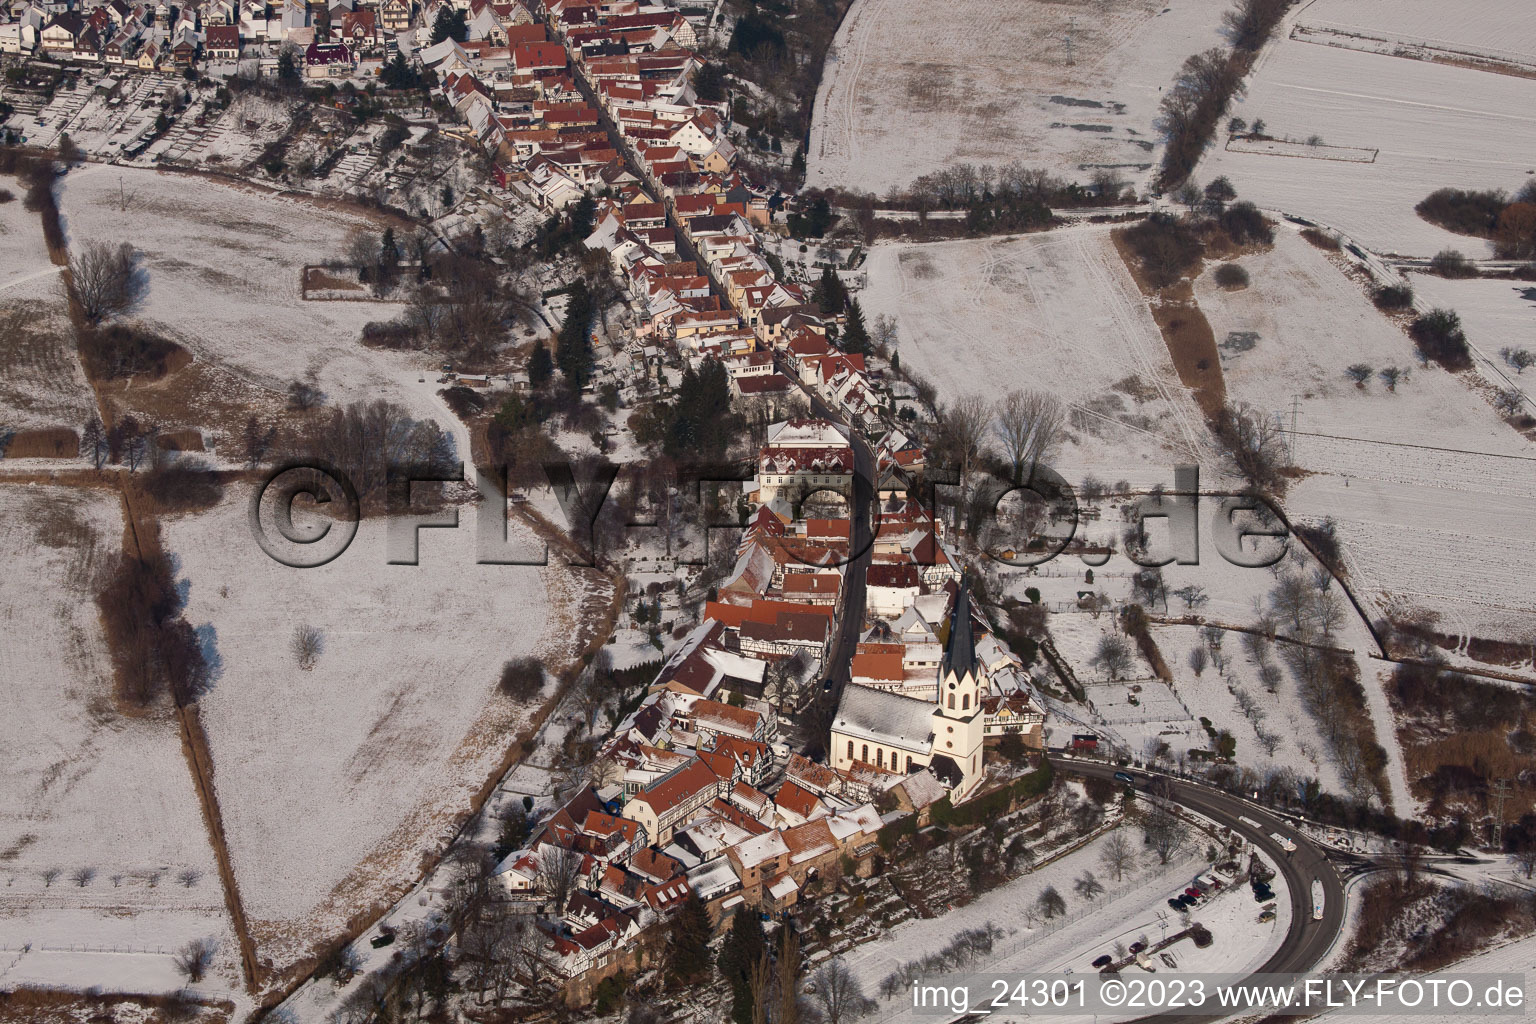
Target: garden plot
{"type": "Point", "coordinates": [1495, 29]}
{"type": "Point", "coordinates": [1427, 483]}
{"type": "Point", "coordinates": [102, 840]}
{"type": "Point", "coordinates": [335, 782]}
{"type": "Point", "coordinates": [910, 89]}
{"type": "Point", "coordinates": [1432, 125]}
{"type": "Point", "coordinates": [224, 264]}
{"type": "Point", "coordinates": [1056, 312]}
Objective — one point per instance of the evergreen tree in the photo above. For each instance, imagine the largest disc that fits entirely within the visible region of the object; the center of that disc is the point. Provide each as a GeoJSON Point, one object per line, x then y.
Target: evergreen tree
{"type": "Point", "coordinates": [895, 362]}
{"type": "Point", "coordinates": [452, 24]}
{"type": "Point", "coordinates": [288, 65]}
{"type": "Point", "coordinates": [744, 945]}
{"type": "Point", "coordinates": [574, 349]}
{"type": "Point", "coordinates": [830, 293]}
{"type": "Point", "coordinates": [702, 423]}
{"type": "Point", "coordinates": [540, 366]}
{"type": "Point", "coordinates": [855, 337]}
{"type": "Point", "coordinates": [688, 943]}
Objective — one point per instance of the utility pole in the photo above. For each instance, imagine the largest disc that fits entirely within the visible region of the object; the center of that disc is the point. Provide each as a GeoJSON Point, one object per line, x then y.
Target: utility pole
{"type": "Point", "coordinates": [1295, 408]}
{"type": "Point", "coordinates": [1071, 27]}
{"type": "Point", "coordinates": [1501, 792]}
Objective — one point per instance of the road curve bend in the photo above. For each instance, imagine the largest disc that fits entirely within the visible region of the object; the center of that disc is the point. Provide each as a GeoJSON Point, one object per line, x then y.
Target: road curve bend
{"type": "Point", "coordinates": [1307, 941]}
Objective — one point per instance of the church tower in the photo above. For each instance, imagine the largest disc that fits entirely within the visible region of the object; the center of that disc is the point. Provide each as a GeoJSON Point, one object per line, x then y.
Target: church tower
{"type": "Point", "coordinates": [959, 726]}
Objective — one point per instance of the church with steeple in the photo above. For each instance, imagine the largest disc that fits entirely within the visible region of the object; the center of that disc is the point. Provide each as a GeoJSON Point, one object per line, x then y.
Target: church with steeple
{"type": "Point", "coordinates": [895, 732]}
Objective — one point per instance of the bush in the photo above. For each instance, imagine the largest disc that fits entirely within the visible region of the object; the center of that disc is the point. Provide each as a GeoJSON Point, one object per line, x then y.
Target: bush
{"type": "Point", "coordinates": [1243, 223]}
{"type": "Point", "coordinates": [1438, 336]}
{"type": "Point", "coordinates": [1393, 296]}
{"type": "Point", "coordinates": [1230, 275]}
{"type": "Point", "coordinates": [521, 678]}
{"type": "Point", "coordinates": [1165, 247]}
{"type": "Point", "coordinates": [124, 351]}
{"type": "Point", "coordinates": [1321, 239]}
{"type": "Point", "coordinates": [1464, 212]}
{"type": "Point", "coordinates": [1452, 264]}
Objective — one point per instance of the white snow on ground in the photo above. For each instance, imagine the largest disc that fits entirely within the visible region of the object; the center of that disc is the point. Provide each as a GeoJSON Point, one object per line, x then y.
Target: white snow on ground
{"type": "Point", "coordinates": [1438, 529]}
{"type": "Point", "coordinates": [87, 787]}
{"type": "Point", "coordinates": [1513, 958]}
{"type": "Point", "coordinates": [1056, 312]}
{"type": "Point", "coordinates": [1434, 125]}
{"type": "Point", "coordinates": [1495, 315]}
{"type": "Point", "coordinates": [1131, 910]}
{"type": "Point", "coordinates": [353, 770]}
{"type": "Point", "coordinates": [224, 264]}
{"type": "Point", "coordinates": [25, 270]}
{"type": "Point", "coordinates": [911, 88]}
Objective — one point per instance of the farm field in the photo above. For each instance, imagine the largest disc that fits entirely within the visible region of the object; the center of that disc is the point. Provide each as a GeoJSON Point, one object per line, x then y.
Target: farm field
{"type": "Point", "coordinates": [1056, 312]}
{"type": "Point", "coordinates": [224, 265]}
{"type": "Point", "coordinates": [909, 90]}
{"type": "Point", "coordinates": [1433, 126]}
{"type": "Point", "coordinates": [335, 782]}
{"type": "Point", "coordinates": [103, 846]}
{"type": "Point", "coordinates": [1423, 528]}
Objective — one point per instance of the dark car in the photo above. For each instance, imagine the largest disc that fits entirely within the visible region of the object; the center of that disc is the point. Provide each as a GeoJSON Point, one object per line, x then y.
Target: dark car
{"type": "Point", "coordinates": [1125, 777]}
{"type": "Point", "coordinates": [1177, 903]}
{"type": "Point", "coordinates": [1137, 947]}
{"type": "Point", "coordinates": [1185, 902]}
{"type": "Point", "coordinates": [1104, 961]}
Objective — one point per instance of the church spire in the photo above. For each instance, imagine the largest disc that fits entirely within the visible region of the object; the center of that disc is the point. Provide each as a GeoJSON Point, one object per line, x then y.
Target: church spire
{"type": "Point", "coordinates": [960, 650]}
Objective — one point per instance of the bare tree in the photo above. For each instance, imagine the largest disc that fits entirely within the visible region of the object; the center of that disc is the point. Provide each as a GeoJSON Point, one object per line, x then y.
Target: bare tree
{"type": "Point", "coordinates": [193, 960]}
{"type": "Point", "coordinates": [883, 331]}
{"type": "Point", "coordinates": [1113, 655]}
{"type": "Point", "coordinates": [1029, 425]}
{"type": "Point", "coordinates": [105, 281]}
{"type": "Point", "coordinates": [50, 875]}
{"type": "Point", "coordinates": [1198, 659]}
{"type": "Point", "coordinates": [1165, 833]}
{"type": "Point", "coordinates": [256, 440]}
{"type": "Point", "coordinates": [82, 876]}
{"type": "Point", "coordinates": [559, 871]}
{"type": "Point", "coordinates": [1050, 902]}
{"type": "Point", "coordinates": [838, 993]}
{"type": "Point", "coordinates": [964, 427]}
{"type": "Point", "coordinates": [188, 877]}
{"type": "Point", "coordinates": [1117, 854]}
{"type": "Point", "coordinates": [307, 644]}
{"type": "Point", "coordinates": [93, 442]}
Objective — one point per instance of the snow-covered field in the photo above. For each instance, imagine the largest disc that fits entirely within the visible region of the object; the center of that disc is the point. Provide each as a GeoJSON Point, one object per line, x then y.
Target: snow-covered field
{"type": "Point", "coordinates": [1434, 125]}
{"type": "Point", "coordinates": [25, 270]}
{"type": "Point", "coordinates": [911, 88]}
{"type": "Point", "coordinates": [1438, 529]}
{"type": "Point", "coordinates": [224, 266]}
{"type": "Point", "coordinates": [100, 820]}
{"type": "Point", "coordinates": [1056, 312]}
{"type": "Point", "coordinates": [334, 782]}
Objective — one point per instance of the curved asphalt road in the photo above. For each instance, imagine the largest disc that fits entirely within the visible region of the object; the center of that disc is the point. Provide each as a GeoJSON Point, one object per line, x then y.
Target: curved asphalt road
{"type": "Point", "coordinates": [1307, 941]}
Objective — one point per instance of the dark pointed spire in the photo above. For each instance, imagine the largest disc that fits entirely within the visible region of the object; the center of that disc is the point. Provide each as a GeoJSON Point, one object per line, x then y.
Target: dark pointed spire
{"type": "Point", "coordinates": [960, 650]}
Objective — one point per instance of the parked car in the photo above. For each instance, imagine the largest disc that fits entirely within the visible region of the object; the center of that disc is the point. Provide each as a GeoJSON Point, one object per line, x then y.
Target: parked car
{"type": "Point", "coordinates": [1125, 777]}
{"type": "Point", "coordinates": [1104, 961]}
{"type": "Point", "coordinates": [1176, 903]}
{"type": "Point", "coordinates": [1193, 893]}
{"type": "Point", "coordinates": [1137, 947]}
